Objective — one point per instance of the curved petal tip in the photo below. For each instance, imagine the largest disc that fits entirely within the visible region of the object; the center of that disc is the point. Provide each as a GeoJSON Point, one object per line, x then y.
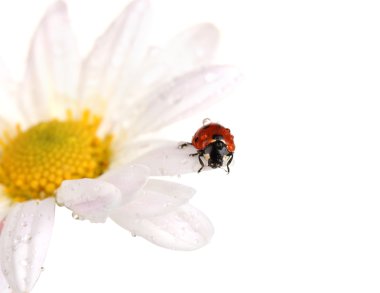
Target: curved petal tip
{"type": "Point", "coordinates": [90, 199]}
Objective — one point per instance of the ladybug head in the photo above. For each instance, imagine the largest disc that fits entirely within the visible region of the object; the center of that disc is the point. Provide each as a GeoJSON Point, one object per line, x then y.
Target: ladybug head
{"type": "Point", "coordinates": [215, 153]}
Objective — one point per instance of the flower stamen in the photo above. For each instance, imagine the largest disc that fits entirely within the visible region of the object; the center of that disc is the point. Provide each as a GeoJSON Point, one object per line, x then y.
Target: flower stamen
{"type": "Point", "coordinates": [34, 163]}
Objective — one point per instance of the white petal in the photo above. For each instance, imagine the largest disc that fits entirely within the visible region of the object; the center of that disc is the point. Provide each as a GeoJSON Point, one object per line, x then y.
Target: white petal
{"type": "Point", "coordinates": [8, 108]}
{"type": "Point", "coordinates": [128, 179]}
{"type": "Point", "coordinates": [127, 150]}
{"type": "Point", "coordinates": [5, 204]}
{"type": "Point", "coordinates": [190, 49]}
{"type": "Point", "coordinates": [200, 42]}
{"type": "Point", "coordinates": [184, 95]}
{"type": "Point", "coordinates": [187, 51]}
{"type": "Point", "coordinates": [156, 198]}
{"type": "Point", "coordinates": [5, 83]}
{"type": "Point", "coordinates": [186, 228]}
{"type": "Point", "coordinates": [53, 66]}
{"type": "Point", "coordinates": [117, 53]}
{"type": "Point", "coordinates": [4, 287]}
{"type": "Point", "coordinates": [169, 159]}
{"type": "Point", "coordinates": [24, 242]}
{"type": "Point", "coordinates": [4, 95]}
{"type": "Point", "coordinates": [90, 199]}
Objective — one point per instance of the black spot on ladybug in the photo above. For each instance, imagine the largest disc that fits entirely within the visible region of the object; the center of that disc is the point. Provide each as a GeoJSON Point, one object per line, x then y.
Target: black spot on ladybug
{"type": "Point", "coordinates": [217, 137]}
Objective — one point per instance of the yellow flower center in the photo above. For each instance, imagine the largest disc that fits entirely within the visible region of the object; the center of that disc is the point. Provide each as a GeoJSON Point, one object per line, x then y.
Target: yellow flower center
{"type": "Point", "coordinates": [34, 163]}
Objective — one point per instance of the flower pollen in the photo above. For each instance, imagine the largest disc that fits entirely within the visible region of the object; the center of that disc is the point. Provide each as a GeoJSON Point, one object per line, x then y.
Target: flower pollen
{"type": "Point", "coordinates": [34, 163]}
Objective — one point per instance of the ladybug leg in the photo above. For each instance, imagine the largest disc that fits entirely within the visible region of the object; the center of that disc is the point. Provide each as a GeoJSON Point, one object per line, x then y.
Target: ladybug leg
{"type": "Point", "coordinates": [229, 162]}
{"type": "Point", "coordinates": [182, 145]}
{"type": "Point", "coordinates": [200, 154]}
{"type": "Point", "coordinates": [200, 161]}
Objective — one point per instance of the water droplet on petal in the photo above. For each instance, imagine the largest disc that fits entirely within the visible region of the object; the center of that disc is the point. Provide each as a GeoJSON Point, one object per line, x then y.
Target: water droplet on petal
{"type": "Point", "coordinates": [76, 216]}
{"type": "Point", "coordinates": [16, 240]}
{"type": "Point", "coordinates": [25, 238]}
{"type": "Point", "coordinates": [206, 121]}
{"type": "Point", "coordinates": [60, 204]}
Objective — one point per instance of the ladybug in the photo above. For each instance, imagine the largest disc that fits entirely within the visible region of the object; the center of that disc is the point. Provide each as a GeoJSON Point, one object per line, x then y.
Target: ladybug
{"type": "Point", "coordinates": [215, 144]}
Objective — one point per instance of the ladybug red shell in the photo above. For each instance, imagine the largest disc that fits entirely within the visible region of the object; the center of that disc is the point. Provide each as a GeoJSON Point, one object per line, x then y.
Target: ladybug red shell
{"type": "Point", "coordinates": [215, 144]}
{"type": "Point", "coordinates": [208, 133]}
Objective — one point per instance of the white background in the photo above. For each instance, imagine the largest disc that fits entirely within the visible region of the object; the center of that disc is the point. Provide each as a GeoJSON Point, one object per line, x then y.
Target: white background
{"type": "Point", "coordinates": [300, 211]}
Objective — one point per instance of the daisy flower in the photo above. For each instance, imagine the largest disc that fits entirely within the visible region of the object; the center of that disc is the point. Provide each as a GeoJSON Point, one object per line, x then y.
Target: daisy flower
{"type": "Point", "coordinates": [76, 134]}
